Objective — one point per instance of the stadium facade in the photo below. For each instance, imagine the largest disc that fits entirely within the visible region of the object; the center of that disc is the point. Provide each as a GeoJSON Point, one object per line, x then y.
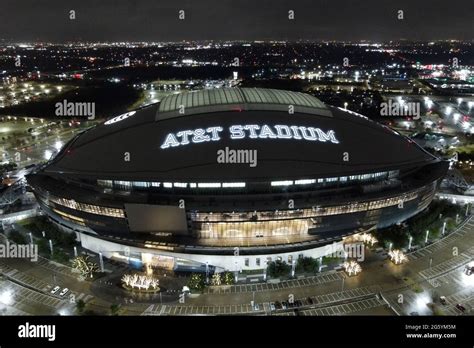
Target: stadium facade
{"type": "Point", "coordinates": [233, 178]}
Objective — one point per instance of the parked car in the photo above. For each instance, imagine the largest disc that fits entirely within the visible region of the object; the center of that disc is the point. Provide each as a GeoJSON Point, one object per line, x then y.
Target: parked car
{"type": "Point", "coordinates": [55, 290]}
{"type": "Point", "coordinates": [285, 305]}
{"type": "Point", "coordinates": [278, 305]}
{"type": "Point", "coordinates": [443, 301]}
{"type": "Point", "coordinates": [309, 300]}
{"type": "Point", "coordinates": [272, 306]}
{"type": "Point", "coordinates": [461, 307]}
{"type": "Point", "coordinates": [64, 292]}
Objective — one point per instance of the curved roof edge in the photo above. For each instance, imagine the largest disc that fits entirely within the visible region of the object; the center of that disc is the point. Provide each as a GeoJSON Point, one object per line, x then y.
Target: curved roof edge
{"type": "Point", "coordinates": [238, 99]}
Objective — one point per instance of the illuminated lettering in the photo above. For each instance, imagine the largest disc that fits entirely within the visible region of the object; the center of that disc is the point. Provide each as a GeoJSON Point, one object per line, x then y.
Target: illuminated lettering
{"type": "Point", "coordinates": [323, 137]}
{"type": "Point", "coordinates": [295, 133]}
{"type": "Point", "coordinates": [200, 137]}
{"type": "Point", "coordinates": [311, 136]}
{"type": "Point", "coordinates": [283, 135]}
{"type": "Point", "coordinates": [184, 136]}
{"type": "Point", "coordinates": [266, 132]}
{"type": "Point", "coordinates": [237, 132]}
{"type": "Point", "coordinates": [252, 131]}
{"type": "Point", "coordinates": [215, 133]}
{"type": "Point", "coordinates": [170, 141]}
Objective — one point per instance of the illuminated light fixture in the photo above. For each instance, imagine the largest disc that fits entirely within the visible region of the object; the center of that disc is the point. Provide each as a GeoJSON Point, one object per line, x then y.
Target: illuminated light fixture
{"type": "Point", "coordinates": [180, 184]}
{"type": "Point", "coordinates": [353, 113]}
{"type": "Point", "coordinates": [167, 184]}
{"type": "Point", "coordinates": [120, 118]}
{"type": "Point", "coordinates": [305, 181]}
{"type": "Point", "coordinates": [209, 184]}
{"type": "Point", "coordinates": [47, 154]}
{"type": "Point", "coordinates": [282, 183]}
{"type": "Point", "coordinates": [352, 268]}
{"type": "Point", "coordinates": [233, 184]}
{"type": "Point", "coordinates": [366, 238]}
{"type": "Point", "coordinates": [397, 256]}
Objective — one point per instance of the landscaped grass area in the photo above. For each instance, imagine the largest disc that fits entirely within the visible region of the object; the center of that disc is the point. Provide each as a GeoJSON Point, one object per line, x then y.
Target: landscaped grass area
{"type": "Point", "coordinates": [61, 240]}
{"type": "Point", "coordinates": [432, 220]}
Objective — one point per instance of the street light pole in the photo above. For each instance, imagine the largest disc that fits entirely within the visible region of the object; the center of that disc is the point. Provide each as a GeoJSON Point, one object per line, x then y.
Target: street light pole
{"type": "Point", "coordinates": [343, 279]}
{"type": "Point", "coordinates": [409, 242]}
{"type": "Point", "coordinates": [101, 261]}
{"type": "Point", "coordinates": [431, 261]}
{"type": "Point", "coordinates": [427, 234]}
{"type": "Point", "coordinates": [51, 246]}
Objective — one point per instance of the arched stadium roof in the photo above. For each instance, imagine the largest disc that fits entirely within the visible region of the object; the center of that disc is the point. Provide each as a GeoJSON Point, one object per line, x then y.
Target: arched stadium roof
{"type": "Point", "coordinates": [225, 99]}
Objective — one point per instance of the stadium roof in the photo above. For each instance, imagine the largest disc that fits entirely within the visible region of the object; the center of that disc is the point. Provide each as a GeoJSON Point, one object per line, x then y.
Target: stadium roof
{"type": "Point", "coordinates": [225, 99]}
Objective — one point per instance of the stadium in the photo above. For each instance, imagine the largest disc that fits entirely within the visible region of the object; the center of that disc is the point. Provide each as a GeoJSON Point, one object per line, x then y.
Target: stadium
{"type": "Point", "coordinates": [232, 178]}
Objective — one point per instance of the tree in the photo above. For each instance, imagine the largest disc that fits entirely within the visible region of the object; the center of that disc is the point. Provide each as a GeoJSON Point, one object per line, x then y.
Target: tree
{"type": "Point", "coordinates": [278, 268]}
{"type": "Point", "coordinates": [80, 306]}
{"type": "Point", "coordinates": [196, 282]}
{"type": "Point", "coordinates": [17, 237]}
{"type": "Point", "coordinates": [306, 264]}
{"type": "Point", "coordinates": [228, 278]}
{"type": "Point", "coordinates": [216, 279]}
{"type": "Point", "coordinates": [60, 256]}
{"type": "Point", "coordinates": [114, 309]}
{"type": "Point", "coordinates": [86, 267]}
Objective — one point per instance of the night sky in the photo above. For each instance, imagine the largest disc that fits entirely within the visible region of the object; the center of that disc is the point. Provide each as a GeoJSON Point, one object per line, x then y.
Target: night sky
{"type": "Point", "coordinates": [157, 20]}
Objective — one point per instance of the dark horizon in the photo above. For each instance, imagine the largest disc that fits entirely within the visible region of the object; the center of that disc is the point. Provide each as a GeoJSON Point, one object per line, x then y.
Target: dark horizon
{"type": "Point", "coordinates": [227, 20]}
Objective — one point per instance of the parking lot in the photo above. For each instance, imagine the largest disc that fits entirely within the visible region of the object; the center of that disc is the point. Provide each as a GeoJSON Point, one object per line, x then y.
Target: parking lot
{"type": "Point", "coordinates": [61, 269]}
{"type": "Point", "coordinates": [446, 266]}
{"type": "Point", "coordinates": [444, 242]}
{"type": "Point", "coordinates": [25, 299]}
{"type": "Point", "coordinates": [203, 310]}
{"type": "Point", "coordinates": [466, 298]}
{"type": "Point", "coordinates": [23, 278]}
{"type": "Point", "coordinates": [454, 278]}
{"type": "Point", "coordinates": [344, 309]}
{"type": "Point", "coordinates": [264, 308]}
{"type": "Point", "coordinates": [287, 284]}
